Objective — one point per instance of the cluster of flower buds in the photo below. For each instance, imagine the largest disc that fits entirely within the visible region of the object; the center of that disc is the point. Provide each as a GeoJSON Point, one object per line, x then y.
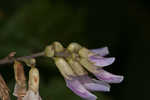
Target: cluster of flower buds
{"type": "Point", "coordinates": [20, 91]}
{"type": "Point", "coordinates": [74, 63]}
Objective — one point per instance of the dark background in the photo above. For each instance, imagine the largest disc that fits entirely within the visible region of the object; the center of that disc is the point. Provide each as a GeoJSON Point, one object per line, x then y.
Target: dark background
{"type": "Point", "coordinates": [27, 26]}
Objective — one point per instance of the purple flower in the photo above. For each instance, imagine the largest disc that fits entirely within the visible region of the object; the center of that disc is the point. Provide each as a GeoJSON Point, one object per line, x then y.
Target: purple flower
{"type": "Point", "coordinates": [109, 77]}
{"type": "Point", "coordinates": [72, 80]}
{"type": "Point", "coordinates": [99, 60]}
{"type": "Point", "coordinates": [73, 67]}
{"type": "Point", "coordinates": [93, 84]}
{"type": "Point", "coordinates": [82, 85]}
{"type": "Point", "coordinates": [78, 88]}
{"type": "Point", "coordinates": [101, 51]}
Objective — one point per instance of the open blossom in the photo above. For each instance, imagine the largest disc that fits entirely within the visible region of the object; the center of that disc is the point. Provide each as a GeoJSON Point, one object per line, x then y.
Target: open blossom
{"type": "Point", "coordinates": [88, 82]}
{"type": "Point", "coordinates": [74, 69]}
{"type": "Point", "coordinates": [101, 61]}
{"type": "Point", "coordinates": [96, 62]}
{"type": "Point", "coordinates": [71, 80]}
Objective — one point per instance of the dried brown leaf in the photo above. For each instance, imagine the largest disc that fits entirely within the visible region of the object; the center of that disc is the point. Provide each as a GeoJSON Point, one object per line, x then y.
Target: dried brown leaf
{"type": "Point", "coordinates": [4, 90]}
{"type": "Point", "coordinates": [20, 86]}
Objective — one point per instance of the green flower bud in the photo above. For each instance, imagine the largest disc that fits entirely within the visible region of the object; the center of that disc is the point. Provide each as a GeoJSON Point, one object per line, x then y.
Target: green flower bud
{"type": "Point", "coordinates": [30, 62]}
{"type": "Point", "coordinates": [74, 47]}
{"type": "Point", "coordinates": [77, 68]}
{"type": "Point", "coordinates": [49, 51]}
{"type": "Point", "coordinates": [64, 67]}
{"type": "Point", "coordinates": [34, 79]}
{"type": "Point", "coordinates": [89, 66]}
{"type": "Point", "coordinates": [58, 47]}
{"type": "Point", "coordinates": [85, 53]}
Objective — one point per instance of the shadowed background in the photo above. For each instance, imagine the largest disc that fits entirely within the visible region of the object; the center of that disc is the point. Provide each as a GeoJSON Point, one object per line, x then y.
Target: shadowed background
{"type": "Point", "coordinates": [27, 26]}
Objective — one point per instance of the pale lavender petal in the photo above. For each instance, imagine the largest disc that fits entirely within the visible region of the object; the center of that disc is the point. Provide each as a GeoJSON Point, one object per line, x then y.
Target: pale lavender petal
{"type": "Point", "coordinates": [79, 89]}
{"type": "Point", "coordinates": [101, 61]}
{"type": "Point", "coordinates": [19, 91]}
{"type": "Point", "coordinates": [101, 51]}
{"type": "Point", "coordinates": [109, 77]}
{"type": "Point", "coordinates": [30, 95]}
{"type": "Point", "coordinates": [94, 85]}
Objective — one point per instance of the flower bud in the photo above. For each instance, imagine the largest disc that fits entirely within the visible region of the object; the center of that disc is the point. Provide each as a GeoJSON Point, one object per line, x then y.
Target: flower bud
{"type": "Point", "coordinates": [85, 53]}
{"type": "Point", "coordinates": [74, 47]}
{"type": "Point", "coordinates": [49, 51]}
{"type": "Point", "coordinates": [58, 47]}
{"type": "Point", "coordinates": [34, 79]}
{"type": "Point", "coordinates": [30, 61]}
{"type": "Point", "coordinates": [64, 67]}
{"type": "Point", "coordinates": [89, 66]}
{"type": "Point", "coordinates": [77, 68]}
{"type": "Point", "coordinates": [74, 56]}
